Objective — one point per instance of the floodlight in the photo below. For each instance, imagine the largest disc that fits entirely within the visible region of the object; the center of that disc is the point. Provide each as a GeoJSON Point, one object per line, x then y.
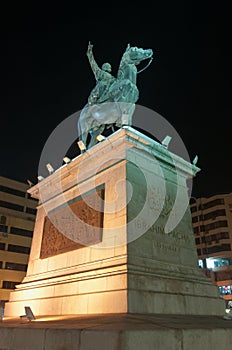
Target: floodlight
{"type": "Point", "coordinates": [66, 160]}
{"type": "Point", "coordinates": [81, 145]}
{"type": "Point", "coordinates": [166, 141]}
{"type": "Point", "coordinates": [50, 168]}
{"type": "Point", "coordinates": [40, 178]}
{"type": "Point", "coordinates": [101, 138]}
{"type": "Point", "coordinates": [30, 183]}
{"type": "Point", "coordinates": [195, 160]}
{"type": "Point", "coordinates": [28, 314]}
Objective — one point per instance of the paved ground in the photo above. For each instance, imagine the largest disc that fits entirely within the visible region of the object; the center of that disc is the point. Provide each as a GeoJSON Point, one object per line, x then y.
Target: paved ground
{"type": "Point", "coordinates": [119, 322]}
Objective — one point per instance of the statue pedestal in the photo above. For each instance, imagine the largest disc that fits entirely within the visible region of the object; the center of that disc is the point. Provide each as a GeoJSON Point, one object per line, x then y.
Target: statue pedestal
{"type": "Point", "coordinates": [135, 258]}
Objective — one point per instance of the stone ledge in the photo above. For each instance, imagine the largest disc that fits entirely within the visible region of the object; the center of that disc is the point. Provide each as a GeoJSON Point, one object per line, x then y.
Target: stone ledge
{"type": "Point", "coordinates": [117, 332]}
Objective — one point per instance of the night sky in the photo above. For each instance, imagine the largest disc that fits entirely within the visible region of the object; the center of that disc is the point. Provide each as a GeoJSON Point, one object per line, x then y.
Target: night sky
{"type": "Point", "coordinates": [46, 77]}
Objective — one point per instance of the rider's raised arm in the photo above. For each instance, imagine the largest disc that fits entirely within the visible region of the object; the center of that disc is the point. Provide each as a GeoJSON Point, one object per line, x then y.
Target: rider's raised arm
{"type": "Point", "coordinates": [96, 70]}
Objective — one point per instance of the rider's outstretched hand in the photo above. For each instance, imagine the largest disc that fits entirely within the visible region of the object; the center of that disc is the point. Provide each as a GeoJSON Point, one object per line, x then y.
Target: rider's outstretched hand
{"type": "Point", "coordinates": [90, 48]}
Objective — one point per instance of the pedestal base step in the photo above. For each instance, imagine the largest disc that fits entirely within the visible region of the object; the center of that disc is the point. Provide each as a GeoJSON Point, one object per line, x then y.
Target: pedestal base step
{"type": "Point", "coordinates": [117, 332]}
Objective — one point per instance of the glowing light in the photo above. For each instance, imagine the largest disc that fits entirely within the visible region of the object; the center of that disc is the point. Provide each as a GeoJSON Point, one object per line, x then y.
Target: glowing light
{"type": "Point", "coordinates": [100, 138]}
{"type": "Point", "coordinates": [53, 318]}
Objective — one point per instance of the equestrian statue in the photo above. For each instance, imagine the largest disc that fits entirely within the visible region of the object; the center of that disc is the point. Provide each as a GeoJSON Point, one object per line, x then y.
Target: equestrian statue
{"type": "Point", "coordinates": [112, 100]}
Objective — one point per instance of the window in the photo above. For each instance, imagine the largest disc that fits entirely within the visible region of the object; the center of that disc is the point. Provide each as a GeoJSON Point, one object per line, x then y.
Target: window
{"type": "Point", "coordinates": [21, 232]}
{"type": "Point", "coordinates": [196, 230]}
{"type": "Point", "coordinates": [9, 284]}
{"type": "Point", "coordinates": [18, 249]}
{"type": "Point", "coordinates": [12, 191]}
{"type": "Point", "coordinates": [213, 203]}
{"type": "Point", "coordinates": [215, 237]}
{"type": "Point", "coordinates": [197, 240]}
{"type": "Point", "coordinates": [214, 214]}
{"type": "Point", "coordinates": [218, 248]}
{"type": "Point", "coordinates": [16, 266]}
{"type": "Point", "coordinates": [31, 211]}
{"type": "Point", "coordinates": [225, 235]}
{"type": "Point", "coordinates": [3, 220]}
{"type": "Point", "coordinates": [221, 262]}
{"type": "Point", "coordinates": [222, 223]}
{"type": "Point", "coordinates": [2, 246]}
{"type": "Point", "coordinates": [3, 228]}
{"type": "Point", "coordinates": [208, 238]}
{"type": "Point", "coordinates": [198, 251]}
{"type": "Point", "coordinates": [193, 209]}
{"type": "Point", "coordinates": [195, 219]}
{"type": "Point", "coordinates": [0, 264]}
{"type": "Point", "coordinates": [11, 206]}
{"type": "Point", "coordinates": [225, 290]}
{"type": "Point", "coordinates": [213, 263]}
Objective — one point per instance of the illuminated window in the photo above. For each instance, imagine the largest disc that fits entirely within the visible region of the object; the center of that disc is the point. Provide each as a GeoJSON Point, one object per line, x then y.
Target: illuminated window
{"type": "Point", "coordinates": [212, 263]}
{"type": "Point", "coordinates": [225, 290]}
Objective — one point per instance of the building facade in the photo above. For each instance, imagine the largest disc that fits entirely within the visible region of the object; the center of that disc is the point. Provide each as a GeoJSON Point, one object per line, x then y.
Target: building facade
{"type": "Point", "coordinates": [17, 217]}
{"type": "Point", "coordinates": [212, 226]}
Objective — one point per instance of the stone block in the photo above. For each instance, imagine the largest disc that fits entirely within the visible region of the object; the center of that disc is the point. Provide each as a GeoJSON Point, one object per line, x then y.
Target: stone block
{"type": "Point", "coordinates": [100, 340]}
{"type": "Point", "coordinates": [152, 340]}
{"type": "Point", "coordinates": [75, 305]}
{"type": "Point", "coordinates": [62, 339]}
{"type": "Point", "coordinates": [27, 339]}
{"type": "Point", "coordinates": [108, 302]}
{"type": "Point", "coordinates": [207, 339]}
{"type": "Point", "coordinates": [49, 306]}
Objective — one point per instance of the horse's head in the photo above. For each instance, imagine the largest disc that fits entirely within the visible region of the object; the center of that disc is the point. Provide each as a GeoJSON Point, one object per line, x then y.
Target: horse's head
{"type": "Point", "coordinates": [135, 55]}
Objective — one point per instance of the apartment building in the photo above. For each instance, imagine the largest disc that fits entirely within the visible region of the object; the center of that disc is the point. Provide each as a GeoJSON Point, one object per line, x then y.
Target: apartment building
{"type": "Point", "coordinates": [212, 226]}
{"type": "Point", "coordinates": [17, 217]}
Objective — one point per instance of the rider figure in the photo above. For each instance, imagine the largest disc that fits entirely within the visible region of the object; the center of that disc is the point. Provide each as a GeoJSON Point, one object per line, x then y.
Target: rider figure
{"type": "Point", "coordinates": [104, 79]}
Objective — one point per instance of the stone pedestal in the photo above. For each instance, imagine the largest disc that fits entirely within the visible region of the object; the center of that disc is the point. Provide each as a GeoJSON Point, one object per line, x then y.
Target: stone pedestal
{"type": "Point", "coordinates": [113, 235]}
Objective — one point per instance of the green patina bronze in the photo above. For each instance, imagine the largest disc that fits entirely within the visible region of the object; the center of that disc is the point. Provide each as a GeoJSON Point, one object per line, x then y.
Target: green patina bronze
{"type": "Point", "coordinates": [112, 100]}
{"type": "Point", "coordinates": [104, 79]}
